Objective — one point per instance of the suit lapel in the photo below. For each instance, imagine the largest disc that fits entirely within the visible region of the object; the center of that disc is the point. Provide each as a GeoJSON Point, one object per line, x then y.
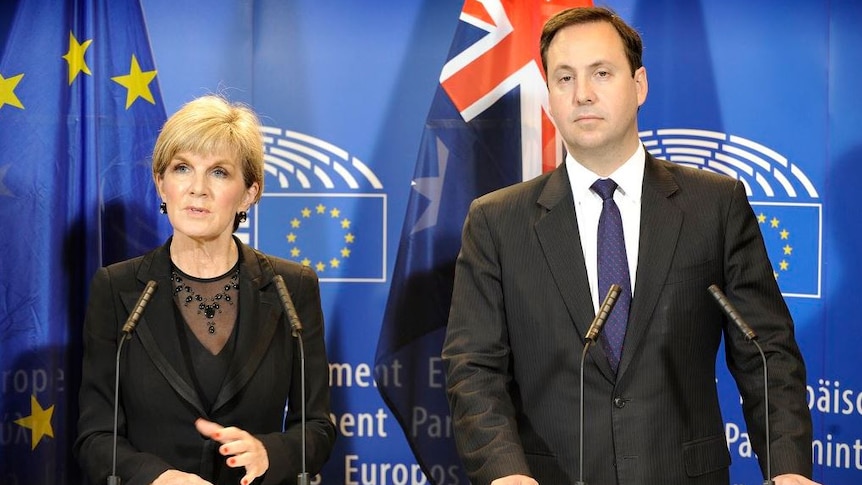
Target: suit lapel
{"type": "Point", "coordinates": [157, 329]}
{"type": "Point", "coordinates": [259, 315]}
{"type": "Point", "coordinates": [558, 235]}
{"type": "Point", "coordinates": [660, 224]}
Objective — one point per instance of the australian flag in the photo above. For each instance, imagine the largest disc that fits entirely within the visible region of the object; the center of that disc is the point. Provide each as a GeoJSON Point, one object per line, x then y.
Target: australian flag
{"type": "Point", "coordinates": [487, 128]}
{"type": "Point", "coordinates": [80, 110]}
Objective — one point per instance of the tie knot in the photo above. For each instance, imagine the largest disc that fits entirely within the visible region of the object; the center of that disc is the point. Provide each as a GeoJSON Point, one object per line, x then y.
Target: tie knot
{"type": "Point", "coordinates": [605, 188]}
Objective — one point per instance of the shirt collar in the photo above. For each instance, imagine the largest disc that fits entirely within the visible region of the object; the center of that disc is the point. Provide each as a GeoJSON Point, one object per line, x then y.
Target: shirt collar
{"type": "Point", "coordinates": [629, 176]}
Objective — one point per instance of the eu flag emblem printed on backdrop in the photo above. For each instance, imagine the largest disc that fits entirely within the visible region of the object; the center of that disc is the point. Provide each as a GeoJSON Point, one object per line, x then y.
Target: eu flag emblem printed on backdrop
{"type": "Point", "coordinates": [320, 231]}
{"type": "Point", "coordinates": [80, 110]}
{"type": "Point", "coordinates": [487, 128]}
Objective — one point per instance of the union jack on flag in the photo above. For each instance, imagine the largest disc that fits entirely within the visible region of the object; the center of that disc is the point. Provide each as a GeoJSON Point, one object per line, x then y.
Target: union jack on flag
{"type": "Point", "coordinates": [488, 127]}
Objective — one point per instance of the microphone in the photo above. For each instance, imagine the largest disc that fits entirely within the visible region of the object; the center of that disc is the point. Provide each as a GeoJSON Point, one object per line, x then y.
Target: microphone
{"type": "Point", "coordinates": [143, 300]}
{"type": "Point", "coordinates": [751, 336]}
{"type": "Point", "coordinates": [590, 338]}
{"type": "Point", "coordinates": [604, 312]}
{"type": "Point", "coordinates": [128, 328]}
{"type": "Point", "coordinates": [296, 331]}
{"type": "Point", "coordinates": [731, 312]}
{"type": "Point", "coordinates": [287, 303]}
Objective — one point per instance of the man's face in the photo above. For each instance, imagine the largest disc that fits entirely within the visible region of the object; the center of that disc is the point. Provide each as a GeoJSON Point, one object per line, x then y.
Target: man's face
{"type": "Point", "coordinates": [593, 96]}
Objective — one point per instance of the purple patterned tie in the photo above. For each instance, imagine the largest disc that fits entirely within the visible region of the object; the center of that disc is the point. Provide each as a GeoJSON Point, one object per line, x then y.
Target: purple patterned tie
{"type": "Point", "coordinates": [613, 268]}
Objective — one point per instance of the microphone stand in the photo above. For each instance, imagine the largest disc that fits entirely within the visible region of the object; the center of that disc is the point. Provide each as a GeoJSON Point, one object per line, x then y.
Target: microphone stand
{"type": "Point", "coordinates": [302, 478]}
{"type": "Point", "coordinates": [581, 481]}
{"type": "Point", "coordinates": [113, 479]}
{"type": "Point", "coordinates": [296, 331]}
{"type": "Point", "coordinates": [128, 328]}
{"type": "Point", "coordinates": [751, 336]}
{"type": "Point", "coordinates": [592, 335]}
{"type": "Point", "coordinates": [768, 480]}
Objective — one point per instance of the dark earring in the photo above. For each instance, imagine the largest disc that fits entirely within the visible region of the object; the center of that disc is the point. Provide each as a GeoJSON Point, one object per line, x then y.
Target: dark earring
{"type": "Point", "coordinates": [243, 216]}
{"type": "Point", "coordinates": [163, 208]}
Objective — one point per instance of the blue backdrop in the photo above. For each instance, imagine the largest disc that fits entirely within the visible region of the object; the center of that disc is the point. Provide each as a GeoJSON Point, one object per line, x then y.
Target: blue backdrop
{"type": "Point", "coordinates": [351, 97]}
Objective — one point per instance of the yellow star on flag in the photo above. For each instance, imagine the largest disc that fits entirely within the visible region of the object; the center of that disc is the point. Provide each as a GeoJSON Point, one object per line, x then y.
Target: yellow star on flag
{"type": "Point", "coordinates": [75, 58]}
{"type": "Point", "coordinates": [7, 91]}
{"type": "Point", "coordinates": [38, 422]}
{"type": "Point", "coordinates": [137, 82]}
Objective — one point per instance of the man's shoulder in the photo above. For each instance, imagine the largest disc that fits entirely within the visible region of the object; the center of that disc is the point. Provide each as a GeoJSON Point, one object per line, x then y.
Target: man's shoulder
{"type": "Point", "coordinates": [526, 191]}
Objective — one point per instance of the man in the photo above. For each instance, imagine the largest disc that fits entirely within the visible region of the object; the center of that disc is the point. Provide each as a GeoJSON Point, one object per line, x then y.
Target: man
{"type": "Point", "coordinates": [532, 271]}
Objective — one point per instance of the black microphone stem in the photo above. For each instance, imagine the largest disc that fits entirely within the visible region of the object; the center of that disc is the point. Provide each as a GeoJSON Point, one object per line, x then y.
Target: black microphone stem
{"type": "Point", "coordinates": [302, 478]}
{"type": "Point", "coordinates": [768, 479]}
{"type": "Point", "coordinates": [114, 479]}
{"type": "Point", "coordinates": [581, 481]}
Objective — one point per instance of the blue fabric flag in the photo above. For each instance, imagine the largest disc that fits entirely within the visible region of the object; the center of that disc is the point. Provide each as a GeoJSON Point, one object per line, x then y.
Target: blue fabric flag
{"type": "Point", "coordinates": [80, 109]}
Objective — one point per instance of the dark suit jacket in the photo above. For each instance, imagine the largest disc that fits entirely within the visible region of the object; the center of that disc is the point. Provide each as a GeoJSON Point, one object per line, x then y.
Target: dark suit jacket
{"type": "Point", "coordinates": [521, 307]}
{"type": "Point", "coordinates": [158, 401]}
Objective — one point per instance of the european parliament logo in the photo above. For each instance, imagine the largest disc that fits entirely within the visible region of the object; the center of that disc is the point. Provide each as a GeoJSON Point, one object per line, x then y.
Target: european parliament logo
{"type": "Point", "coordinates": [321, 207]}
{"type": "Point", "coordinates": [784, 200]}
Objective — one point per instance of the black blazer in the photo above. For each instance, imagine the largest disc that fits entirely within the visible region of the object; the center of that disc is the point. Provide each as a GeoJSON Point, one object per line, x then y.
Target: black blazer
{"type": "Point", "coordinates": [522, 305]}
{"type": "Point", "coordinates": [158, 401]}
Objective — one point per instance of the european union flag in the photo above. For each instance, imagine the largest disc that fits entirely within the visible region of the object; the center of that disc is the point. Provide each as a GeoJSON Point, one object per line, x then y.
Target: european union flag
{"type": "Point", "coordinates": [793, 235]}
{"type": "Point", "coordinates": [79, 113]}
{"type": "Point", "coordinates": [341, 236]}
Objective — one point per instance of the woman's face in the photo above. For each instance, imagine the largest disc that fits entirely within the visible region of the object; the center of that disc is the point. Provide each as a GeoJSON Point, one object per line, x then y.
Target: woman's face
{"type": "Point", "coordinates": [203, 194]}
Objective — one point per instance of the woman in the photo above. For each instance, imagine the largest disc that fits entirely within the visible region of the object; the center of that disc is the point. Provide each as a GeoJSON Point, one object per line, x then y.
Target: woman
{"type": "Point", "coordinates": [211, 367]}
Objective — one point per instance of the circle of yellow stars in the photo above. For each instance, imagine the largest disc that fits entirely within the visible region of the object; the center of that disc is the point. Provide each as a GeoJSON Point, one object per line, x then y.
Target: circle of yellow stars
{"type": "Point", "coordinates": [787, 250]}
{"type": "Point", "coordinates": [293, 238]}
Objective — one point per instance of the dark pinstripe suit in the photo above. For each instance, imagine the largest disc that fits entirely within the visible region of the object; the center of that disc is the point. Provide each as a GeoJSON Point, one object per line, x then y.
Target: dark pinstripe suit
{"type": "Point", "coordinates": [522, 305]}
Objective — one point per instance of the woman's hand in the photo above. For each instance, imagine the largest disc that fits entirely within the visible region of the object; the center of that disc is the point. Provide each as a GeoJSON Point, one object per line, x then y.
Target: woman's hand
{"type": "Point", "coordinates": [243, 449]}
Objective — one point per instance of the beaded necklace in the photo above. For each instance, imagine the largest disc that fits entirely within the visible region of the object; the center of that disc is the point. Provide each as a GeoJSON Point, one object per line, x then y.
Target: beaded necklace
{"type": "Point", "coordinates": [206, 306]}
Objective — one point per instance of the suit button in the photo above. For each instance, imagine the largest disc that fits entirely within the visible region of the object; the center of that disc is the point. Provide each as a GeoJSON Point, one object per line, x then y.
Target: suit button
{"type": "Point", "coordinates": [619, 402]}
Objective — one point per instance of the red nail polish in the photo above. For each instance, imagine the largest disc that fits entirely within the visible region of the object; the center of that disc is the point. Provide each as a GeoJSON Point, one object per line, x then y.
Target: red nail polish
{"type": "Point", "coordinates": [231, 461]}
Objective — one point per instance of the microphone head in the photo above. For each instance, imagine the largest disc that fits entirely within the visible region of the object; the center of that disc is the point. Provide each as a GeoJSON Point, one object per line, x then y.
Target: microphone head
{"type": "Point", "coordinates": [731, 312]}
{"type": "Point", "coordinates": [604, 311]}
{"type": "Point", "coordinates": [138, 310]}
